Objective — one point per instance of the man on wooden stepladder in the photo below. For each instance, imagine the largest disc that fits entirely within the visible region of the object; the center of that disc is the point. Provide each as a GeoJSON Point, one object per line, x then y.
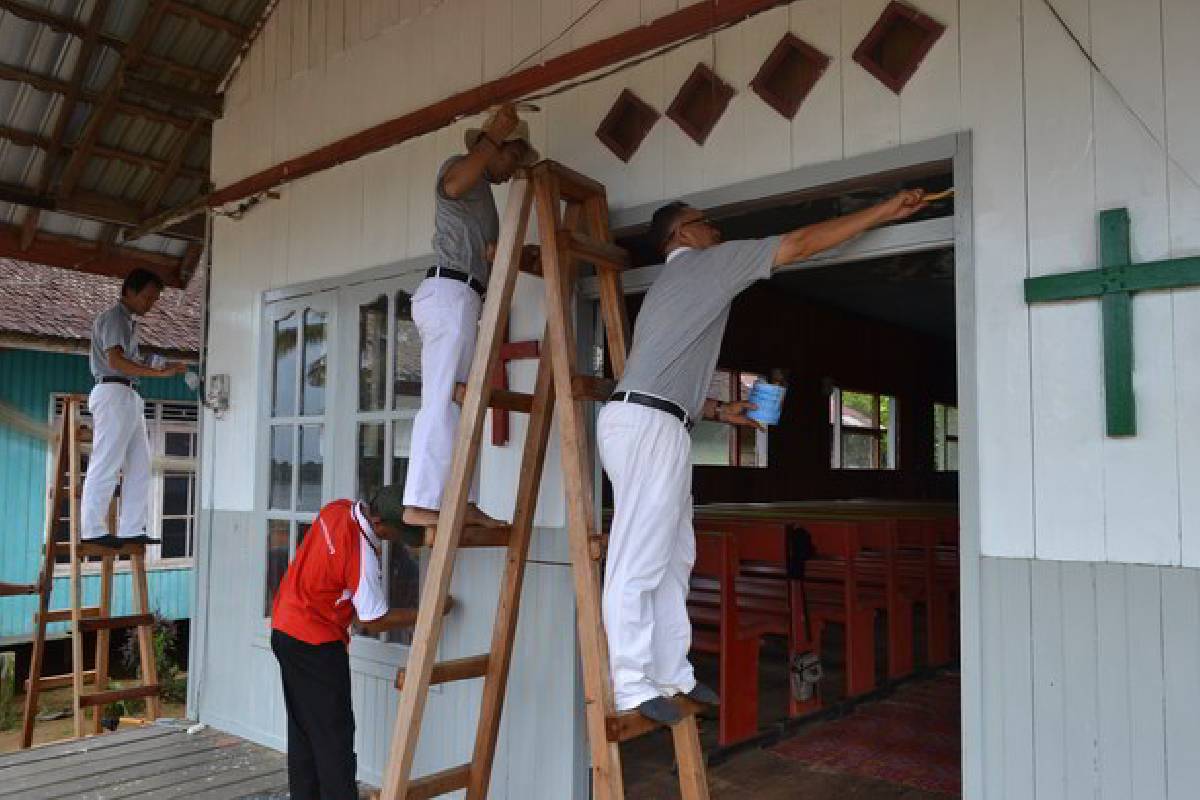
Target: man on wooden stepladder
{"type": "Point", "coordinates": [645, 447]}
{"type": "Point", "coordinates": [334, 580]}
{"type": "Point", "coordinates": [119, 443]}
{"type": "Point", "coordinates": [447, 304]}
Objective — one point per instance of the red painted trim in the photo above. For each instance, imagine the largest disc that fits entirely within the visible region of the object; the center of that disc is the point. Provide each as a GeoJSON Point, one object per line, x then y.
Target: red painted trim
{"type": "Point", "coordinates": [695, 19]}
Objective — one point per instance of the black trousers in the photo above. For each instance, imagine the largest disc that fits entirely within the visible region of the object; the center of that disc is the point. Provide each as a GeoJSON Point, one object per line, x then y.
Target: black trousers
{"type": "Point", "coordinates": [316, 691]}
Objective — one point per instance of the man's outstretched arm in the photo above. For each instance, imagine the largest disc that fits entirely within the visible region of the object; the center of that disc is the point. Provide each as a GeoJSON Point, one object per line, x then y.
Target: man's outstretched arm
{"type": "Point", "coordinates": [810, 240]}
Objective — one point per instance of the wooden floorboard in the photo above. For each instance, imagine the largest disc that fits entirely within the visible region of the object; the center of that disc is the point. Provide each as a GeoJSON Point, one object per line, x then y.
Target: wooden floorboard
{"type": "Point", "coordinates": [160, 761]}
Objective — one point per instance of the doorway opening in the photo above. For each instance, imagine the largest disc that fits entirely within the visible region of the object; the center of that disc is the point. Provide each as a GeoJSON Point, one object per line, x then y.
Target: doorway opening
{"type": "Point", "coordinates": [825, 596]}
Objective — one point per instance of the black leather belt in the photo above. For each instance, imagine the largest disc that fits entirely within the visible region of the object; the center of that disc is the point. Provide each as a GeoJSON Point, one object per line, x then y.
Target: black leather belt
{"type": "Point", "coordinates": [455, 275]}
{"type": "Point", "coordinates": [116, 379]}
{"type": "Point", "coordinates": [650, 401]}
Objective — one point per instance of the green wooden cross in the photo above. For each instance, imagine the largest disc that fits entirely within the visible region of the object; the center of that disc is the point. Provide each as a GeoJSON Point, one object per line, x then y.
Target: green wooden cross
{"type": "Point", "coordinates": [1114, 283]}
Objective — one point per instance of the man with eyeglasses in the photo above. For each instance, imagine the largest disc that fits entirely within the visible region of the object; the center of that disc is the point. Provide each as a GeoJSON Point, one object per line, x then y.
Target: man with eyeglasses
{"type": "Point", "coordinates": [644, 441]}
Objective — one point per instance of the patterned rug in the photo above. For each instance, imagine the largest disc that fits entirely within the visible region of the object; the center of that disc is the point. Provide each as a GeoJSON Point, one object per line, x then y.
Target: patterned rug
{"type": "Point", "coordinates": [912, 738]}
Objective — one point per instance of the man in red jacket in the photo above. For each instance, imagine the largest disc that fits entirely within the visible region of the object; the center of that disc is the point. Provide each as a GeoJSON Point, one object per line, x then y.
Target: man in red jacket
{"type": "Point", "coordinates": [335, 580]}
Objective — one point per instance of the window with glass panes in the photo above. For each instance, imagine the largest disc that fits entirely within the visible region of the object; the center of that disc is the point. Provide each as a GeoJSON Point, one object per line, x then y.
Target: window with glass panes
{"type": "Point", "coordinates": [299, 346]}
{"type": "Point", "coordinates": [863, 430]}
{"type": "Point", "coordinates": [387, 399]}
{"type": "Point", "coordinates": [945, 438]}
{"type": "Point", "coordinates": [717, 444]}
{"type": "Point", "coordinates": [171, 429]}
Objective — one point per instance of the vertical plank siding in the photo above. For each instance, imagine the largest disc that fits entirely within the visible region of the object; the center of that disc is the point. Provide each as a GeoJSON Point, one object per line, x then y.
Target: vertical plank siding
{"type": "Point", "coordinates": [1105, 703]}
{"type": "Point", "coordinates": [27, 379]}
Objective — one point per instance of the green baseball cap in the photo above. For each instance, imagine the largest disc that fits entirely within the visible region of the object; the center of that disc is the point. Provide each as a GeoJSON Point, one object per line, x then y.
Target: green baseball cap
{"type": "Point", "coordinates": [388, 505]}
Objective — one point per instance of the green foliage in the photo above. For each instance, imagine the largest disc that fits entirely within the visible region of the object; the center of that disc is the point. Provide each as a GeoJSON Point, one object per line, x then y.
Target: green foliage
{"type": "Point", "coordinates": [172, 681]}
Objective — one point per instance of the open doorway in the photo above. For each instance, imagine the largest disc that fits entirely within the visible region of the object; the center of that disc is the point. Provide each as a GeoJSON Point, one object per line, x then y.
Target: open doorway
{"type": "Point", "coordinates": [825, 596]}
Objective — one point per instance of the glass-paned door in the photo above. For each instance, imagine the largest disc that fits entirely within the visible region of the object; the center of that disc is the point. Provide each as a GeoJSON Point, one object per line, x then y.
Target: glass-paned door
{"type": "Point", "coordinates": [299, 334]}
{"type": "Point", "coordinates": [381, 340]}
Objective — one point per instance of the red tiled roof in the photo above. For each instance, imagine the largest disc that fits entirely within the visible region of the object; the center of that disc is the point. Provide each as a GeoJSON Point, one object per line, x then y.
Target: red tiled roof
{"type": "Point", "coordinates": [59, 305]}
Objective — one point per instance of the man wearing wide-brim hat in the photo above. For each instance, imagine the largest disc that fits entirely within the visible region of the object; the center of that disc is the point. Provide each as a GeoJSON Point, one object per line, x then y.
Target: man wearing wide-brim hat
{"type": "Point", "coordinates": [447, 304]}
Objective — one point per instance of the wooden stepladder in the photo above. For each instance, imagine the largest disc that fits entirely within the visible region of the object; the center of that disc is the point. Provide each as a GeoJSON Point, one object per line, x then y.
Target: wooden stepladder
{"type": "Point", "coordinates": [68, 448]}
{"type": "Point", "coordinates": [572, 221]}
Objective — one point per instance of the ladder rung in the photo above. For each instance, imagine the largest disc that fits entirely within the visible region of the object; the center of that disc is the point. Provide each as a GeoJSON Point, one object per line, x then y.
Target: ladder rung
{"type": "Point", "coordinates": [473, 536]}
{"type": "Point", "coordinates": [628, 725]}
{"type": "Point", "coordinates": [573, 184]}
{"type": "Point", "coordinates": [439, 783]}
{"type": "Point", "coordinates": [14, 589]}
{"type": "Point", "coordinates": [85, 549]}
{"type": "Point", "coordinates": [500, 398]}
{"type": "Point", "coordinates": [115, 623]}
{"type": "Point", "coordinates": [59, 681]}
{"type": "Point", "coordinates": [460, 669]}
{"type": "Point", "coordinates": [64, 614]}
{"type": "Point", "coordinates": [589, 387]}
{"type": "Point", "coordinates": [104, 698]}
{"type": "Point", "coordinates": [594, 251]}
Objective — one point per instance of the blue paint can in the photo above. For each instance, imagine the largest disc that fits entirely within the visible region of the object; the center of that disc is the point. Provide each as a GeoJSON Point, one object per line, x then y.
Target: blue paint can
{"type": "Point", "coordinates": [768, 399]}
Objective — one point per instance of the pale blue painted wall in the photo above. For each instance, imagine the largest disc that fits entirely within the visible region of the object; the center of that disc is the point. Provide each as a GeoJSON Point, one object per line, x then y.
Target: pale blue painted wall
{"type": "Point", "coordinates": [27, 379]}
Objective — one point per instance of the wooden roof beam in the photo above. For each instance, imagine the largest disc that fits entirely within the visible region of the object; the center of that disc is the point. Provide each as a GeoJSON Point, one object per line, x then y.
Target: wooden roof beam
{"type": "Point", "coordinates": [235, 29]}
{"type": "Point", "coordinates": [207, 106]}
{"type": "Point", "coordinates": [84, 256]}
{"type": "Point", "coordinates": [102, 111]}
{"type": "Point", "coordinates": [72, 27]}
{"type": "Point", "coordinates": [71, 97]}
{"type": "Point", "coordinates": [27, 139]}
{"type": "Point", "coordinates": [196, 104]}
{"type": "Point", "coordinates": [95, 207]}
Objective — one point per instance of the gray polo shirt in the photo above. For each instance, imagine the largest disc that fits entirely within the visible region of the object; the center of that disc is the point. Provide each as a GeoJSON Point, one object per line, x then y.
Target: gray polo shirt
{"type": "Point", "coordinates": [464, 227]}
{"type": "Point", "coordinates": [112, 328]}
{"type": "Point", "coordinates": [677, 338]}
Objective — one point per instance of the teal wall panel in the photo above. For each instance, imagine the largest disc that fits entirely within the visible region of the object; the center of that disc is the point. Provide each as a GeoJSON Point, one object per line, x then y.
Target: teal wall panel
{"type": "Point", "coordinates": [27, 379]}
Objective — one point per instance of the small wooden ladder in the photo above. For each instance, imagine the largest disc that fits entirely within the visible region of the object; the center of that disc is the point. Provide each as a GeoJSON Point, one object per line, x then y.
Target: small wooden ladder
{"type": "Point", "coordinates": [558, 388]}
{"type": "Point", "coordinates": [68, 447]}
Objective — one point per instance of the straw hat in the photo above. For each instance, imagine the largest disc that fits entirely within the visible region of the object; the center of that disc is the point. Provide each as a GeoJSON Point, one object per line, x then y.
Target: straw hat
{"type": "Point", "coordinates": [519, 133]}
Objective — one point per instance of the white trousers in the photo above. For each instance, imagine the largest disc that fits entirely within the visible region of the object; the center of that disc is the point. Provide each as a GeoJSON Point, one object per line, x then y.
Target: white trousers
{"type": "Point", "coordinates": [119, 448]}
{"type": "Point", "coordinates": [446, 313]}
{"type": "Point", "coordinates": [651, 550]}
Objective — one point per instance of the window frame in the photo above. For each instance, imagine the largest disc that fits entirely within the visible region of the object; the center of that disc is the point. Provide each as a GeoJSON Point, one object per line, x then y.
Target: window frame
{"type": "Point", "coordinates": [734, 433]}
{"type": "Point", "coordinates": [947, 438]}
{"type": "Point", "coordinates": [156, 429]}
{"type": "Point", "coordinates": [325, 302]}
{"type": "Point", "coordinates": [879, 434]}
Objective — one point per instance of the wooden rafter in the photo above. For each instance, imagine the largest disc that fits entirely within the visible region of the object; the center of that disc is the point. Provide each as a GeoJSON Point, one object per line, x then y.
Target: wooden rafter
{"type": "Point", "coordinates": [154, 195]}
{"type": "Point", "coordinates": [71, 96]}
{"type": "Point", "coordinates": [86, 256]}
{"type": "Point", "coordinates": [27, 139]}
{"type": "Point", "coordinates": [195, 103]}
{"type": "Point", "coordinates": [103, 110]}
{"type": "Point", "coordinates": [71, 27]}
{"type": "Point", "coordinates": [88, 205]}
{"type": "Point", "coordinates": [235, 29]}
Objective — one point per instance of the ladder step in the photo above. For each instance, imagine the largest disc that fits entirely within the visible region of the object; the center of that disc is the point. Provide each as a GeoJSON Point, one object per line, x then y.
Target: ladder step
{"type": "Point", "coordinates": [115, 623]}
{"type": "Point", "coordinates": [85, 549]}
{"type": "Point", "coordinates": [594, 251]}
{"type": "Point", "coordinates": [589, 387]}
{"type": "Point", "coordinates": [500, 398]}
{"type": "Point", "coordinates": [439, 783]}
{"type": "Point", "coordinates": [460, 669]}
{"type": "Point", "coordinates": [59, 681]}
{"type": "Point", "coordinates": [473, 536]}
{"type": "Point", "coordinates": [626, 725]}
{"type": "Point", "coordinates": [104, 698]}
{"type": "Point", "coordinates": [14, 589]}
{"type": "Point", "coordinates": [64, 614]}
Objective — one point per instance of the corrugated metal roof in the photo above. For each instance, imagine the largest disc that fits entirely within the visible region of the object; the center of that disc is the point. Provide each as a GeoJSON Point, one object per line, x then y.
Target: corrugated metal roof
{"type": "Point", "coordinates": [185, 59]}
